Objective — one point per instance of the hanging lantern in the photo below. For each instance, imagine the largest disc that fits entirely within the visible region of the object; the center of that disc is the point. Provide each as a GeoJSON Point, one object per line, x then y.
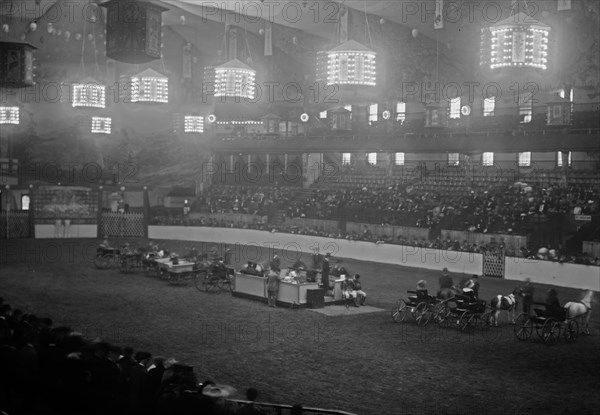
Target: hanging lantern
{"type": "Point", "coordinates": [16, 64]}
{"type": "Point", "coordinates": [101, 125]}
{"type": "Point", "coordinates": [347, 64]}
{"type": "Point", "coordinates": [519, 41]}
{"type": "Point", "coordinates": [436, 115]}
{"type": "Point", "coordinates": [193, 124]}
{"type": "Point", "coordinates": [234, 79]}
{"type": "Point", "coordinates": [133, 30]}
{"type": "Point", "coordinates": [148, 86]}
{"type": "Point", "coordinates": [341, 119]}
{"type": "Point", "coordinates": [271, 123]}
{"type": "Point", "coordinates": [88, 93]}
{"type": "Point", "coordinates": [559, 112]}
{"type": "Point", "coordinates": [9, 115]}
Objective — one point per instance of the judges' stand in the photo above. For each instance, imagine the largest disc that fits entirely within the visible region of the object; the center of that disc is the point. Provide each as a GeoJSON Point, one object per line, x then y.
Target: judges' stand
{"type": "Point", "coordinates": [294, 288]}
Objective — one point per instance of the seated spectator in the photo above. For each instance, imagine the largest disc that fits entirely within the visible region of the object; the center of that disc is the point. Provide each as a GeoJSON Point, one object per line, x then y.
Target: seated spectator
{"type": "Point", "coordinates": [362, 296]}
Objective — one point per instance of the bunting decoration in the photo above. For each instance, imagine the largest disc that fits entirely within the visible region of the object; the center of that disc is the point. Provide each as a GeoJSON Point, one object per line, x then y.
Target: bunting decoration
{"type": "Point", "coordinates": [439, 18]}
{"type": "Point", "coordinates": [564, 5]}
{"type": "Point", "coordinates": [268, 38]}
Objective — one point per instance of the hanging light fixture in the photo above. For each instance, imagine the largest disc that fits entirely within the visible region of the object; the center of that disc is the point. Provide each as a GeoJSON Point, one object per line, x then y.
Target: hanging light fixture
{"type": "Point", "coordinates": [133, 30]}
{"type": "Point", "coordinates": [235, 79]}
{"type": "Point", "coordinates": [517, 42]}
{"type": "Point", "coordinates": [101, 125]}
{"type": "Point", "coordinates": [148, 86]}
{"type": "Point", "coordinates": [350, 63]}
{"type": "Point", "coordinates": [9, 115]}
{"type": "Point", "coordinates": [88, 93]}
{"type": "Point", "coordinates": [193, 124]}
{"type": "Point", "coordinates": [16, 64]}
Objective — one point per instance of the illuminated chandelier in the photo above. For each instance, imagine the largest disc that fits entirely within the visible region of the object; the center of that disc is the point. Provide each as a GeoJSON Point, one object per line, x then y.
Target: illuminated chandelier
{"type": "Point", "coordinates": [88, 93]}
{"type": "Point", "coordinates": [9, 115]}
{"type": "Point", "coordinates": [193, 124]}
{"type": "Point", "coordinates": [517, 42]}
{"type": "Point", "coordinates": [101, 125]}
{"type": "Point", "coordinates": [235, 79]}
{"type": "Point", "coordinates": [148, 86]}
{"type": "Point", "coordinates": [350, 63]}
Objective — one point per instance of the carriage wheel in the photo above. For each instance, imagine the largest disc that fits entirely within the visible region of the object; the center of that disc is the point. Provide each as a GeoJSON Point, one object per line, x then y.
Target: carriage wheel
{"type": "Point", "coordinates": [103, 262]}
{"type": "Point", "coordinates": [125, 267]}
{"type": "Point", "coordinates": [486, 320]}
{"type": "Point", "coordinates": [421, 314]}
{"type": "Point", "coordinates": [399, 311]}
{"type": "Point", "coordinates": [571, 331]}
{"type": "Point", "coordinates": [551, 331]}
{"type": "Point", "coordinates": [173, 278]}
{"type": "Point", "coordinates": [225, 284]}
{"type": "Point", "coordinates": [211, 283]}
{"type": "Point", "coordinates": [199, 279]}
{"type": "Point", "coordinates": [523, 327]}
{"type": "Point", "coordinates": [466, 322]}
{"type": "Point", "coordinates": [441, 315]}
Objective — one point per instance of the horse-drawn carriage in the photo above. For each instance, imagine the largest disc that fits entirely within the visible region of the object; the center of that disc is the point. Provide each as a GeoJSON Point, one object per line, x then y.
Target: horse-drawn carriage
{"type": "Point", "coordinates": [548, 326]}
{"type": "Point", "coordinates": [468, 313]}
{"type": "Point", "coordinates": [421, 307]}
{"type": "Point", "coordinates": [126, 259]}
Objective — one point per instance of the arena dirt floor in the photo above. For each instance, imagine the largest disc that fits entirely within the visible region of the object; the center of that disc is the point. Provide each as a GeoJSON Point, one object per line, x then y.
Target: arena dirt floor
{"type": "Point", "coordinates": [365, 364]}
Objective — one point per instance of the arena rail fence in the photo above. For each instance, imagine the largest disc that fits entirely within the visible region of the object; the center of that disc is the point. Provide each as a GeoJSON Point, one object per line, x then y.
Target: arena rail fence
{"type": "Point", "coordinates": [409, 256]}
{"type": "Point", "coordinates": [281, 409]}
{"type": "Point", "coordinates": [592, 248]}
{"type": "Point", "coordinates": [229, 217]}
{"type": "Point", "coordinates": [585, 277]}
{"type": "Point", "coordinates": [14, 224]}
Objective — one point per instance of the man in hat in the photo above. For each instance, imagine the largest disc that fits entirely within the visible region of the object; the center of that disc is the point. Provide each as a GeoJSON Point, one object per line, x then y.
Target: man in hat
{"type": "Point", "coordinates": [276, 263]}
{"type": "Point", "coordinates": [422, 289]}
{"type": "Point", "coordinates": [527, 294]}
{"type": "Point", "coordinates": [272, 288]}
{"type": "Point", "coordinates": [445, 280]}
{"type": "Point", "coordinates": [325, 273]}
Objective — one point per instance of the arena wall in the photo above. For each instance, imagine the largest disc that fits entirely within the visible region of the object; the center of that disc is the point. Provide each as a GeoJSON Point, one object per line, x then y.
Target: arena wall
{"type": "Point", "coordinates": [457, 262]}
{"type": "Point", "coordinates": [75, 231]}
{"type": "Point", "coordinates": [554, 273]}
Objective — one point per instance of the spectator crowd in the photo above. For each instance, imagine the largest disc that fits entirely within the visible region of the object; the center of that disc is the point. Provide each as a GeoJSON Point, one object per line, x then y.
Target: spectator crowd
{"type": "Point", "coordinates": [45, 369]}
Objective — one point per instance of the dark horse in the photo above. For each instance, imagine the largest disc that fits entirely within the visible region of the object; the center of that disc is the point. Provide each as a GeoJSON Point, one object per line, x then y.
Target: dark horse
{"type": "Point", "coordinates": [447, 293]}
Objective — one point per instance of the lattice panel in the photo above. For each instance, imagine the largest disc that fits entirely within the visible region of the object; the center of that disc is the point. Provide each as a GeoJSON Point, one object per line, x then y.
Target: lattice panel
{"type": "Point", "coordinates": [122, 225]}
{"type": "Point", "coordinates": [493, 265]}
{"type": "Point", "coordinates": [18, 225]}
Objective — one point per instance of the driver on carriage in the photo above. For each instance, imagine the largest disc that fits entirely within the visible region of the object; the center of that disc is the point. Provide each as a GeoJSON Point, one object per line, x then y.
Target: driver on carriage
{"type": "Point", "coordinates": [422, 292]}
{"type": "Point", "coordinates": [553, 308]}
{"type": "Point", "coordinates": [219, 268]}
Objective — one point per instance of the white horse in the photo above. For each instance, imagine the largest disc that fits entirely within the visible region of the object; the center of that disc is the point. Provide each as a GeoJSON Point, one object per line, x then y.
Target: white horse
{"type": "Point", "coordinates": [504, 302]}
{"type": "Point", "coordinates": [581, 311]}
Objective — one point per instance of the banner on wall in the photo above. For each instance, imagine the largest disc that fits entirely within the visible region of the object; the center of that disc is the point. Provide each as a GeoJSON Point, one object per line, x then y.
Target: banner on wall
{"type": "Point", "coordinates": [65, 202]}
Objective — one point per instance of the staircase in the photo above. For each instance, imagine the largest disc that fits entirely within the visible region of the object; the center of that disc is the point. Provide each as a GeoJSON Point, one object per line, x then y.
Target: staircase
{"type": "Point", "coordinates": [277, 217]}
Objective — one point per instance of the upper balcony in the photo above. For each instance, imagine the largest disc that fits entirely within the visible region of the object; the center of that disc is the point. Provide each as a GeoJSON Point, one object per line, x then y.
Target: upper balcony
{"type": "Point", "coordinates": [544, 128]}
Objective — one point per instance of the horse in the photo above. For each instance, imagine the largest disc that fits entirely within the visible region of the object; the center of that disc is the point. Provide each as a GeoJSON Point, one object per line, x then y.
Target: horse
{"type": "Point", "coordinates": [581, 311]}
{"type": "Point", "coordinates": [504, 302]}
{"type": "Point", "coordinates": [447, 293]}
